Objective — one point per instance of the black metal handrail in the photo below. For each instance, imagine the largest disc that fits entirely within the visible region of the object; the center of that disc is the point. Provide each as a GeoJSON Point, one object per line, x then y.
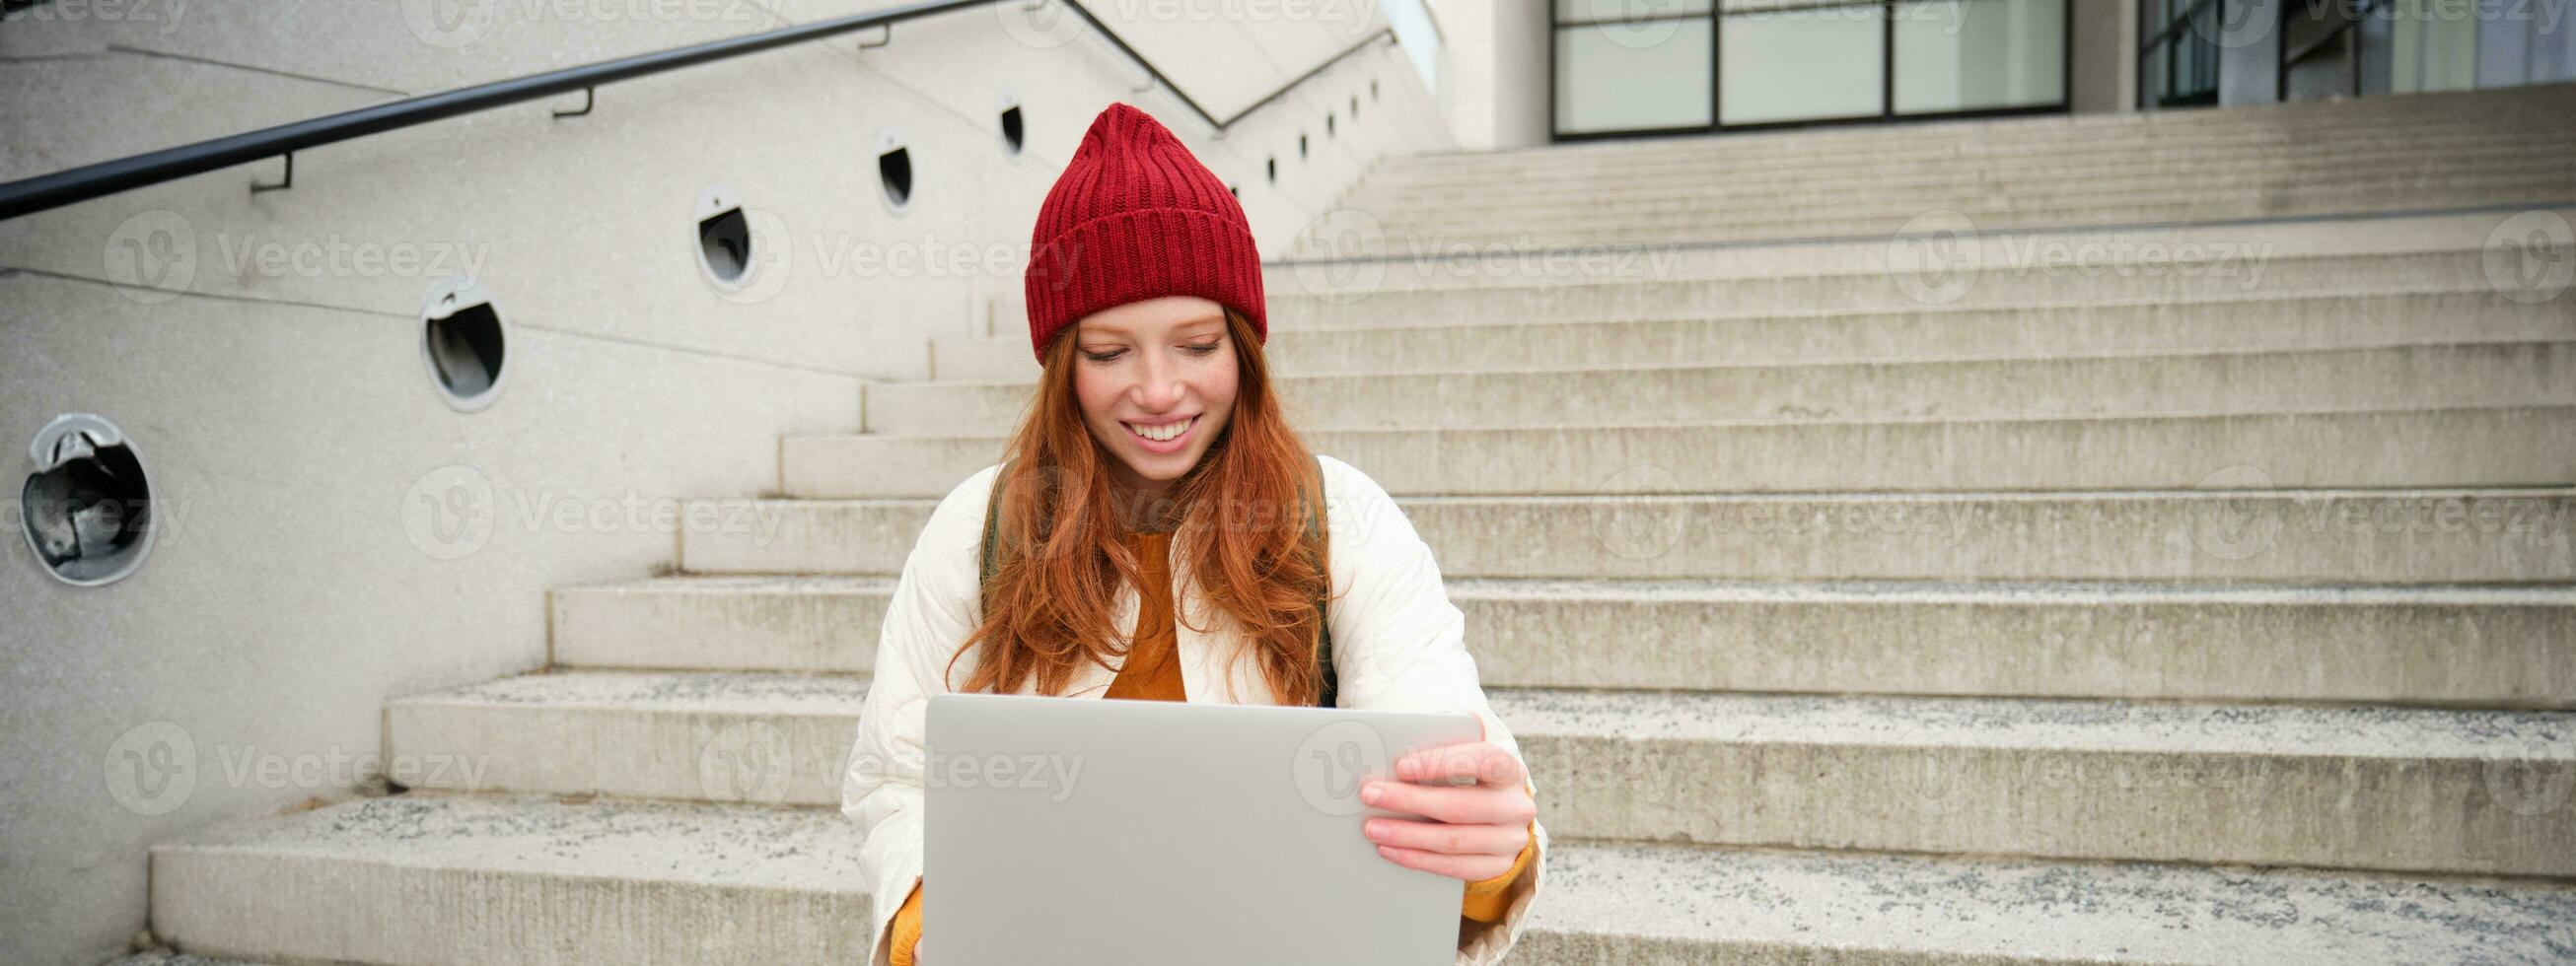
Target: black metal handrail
{"type": "Point", "coordinates": [29, 195]}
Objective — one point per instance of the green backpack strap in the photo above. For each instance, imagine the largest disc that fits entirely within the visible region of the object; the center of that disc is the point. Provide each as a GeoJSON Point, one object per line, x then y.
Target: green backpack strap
{"type": "Point", "coordinates": [1329, 695]}
{"type": "Point", "coordinates": [992, 520]}
{"type": "Point", "coordinates": [1314, 515]}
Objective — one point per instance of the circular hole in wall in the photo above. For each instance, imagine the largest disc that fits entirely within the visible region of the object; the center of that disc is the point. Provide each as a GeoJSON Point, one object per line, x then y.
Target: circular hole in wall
{"type": "Point", "coordinates": [86, 511]}
{"type": "Point", "coordinates": [463, 342]}
{"type": "Point", "coordinates": [724, 237]}
{"type": "Point", "coordinates": [1014, 136]}
{"type": "Point", "coordinates": [894, 171]}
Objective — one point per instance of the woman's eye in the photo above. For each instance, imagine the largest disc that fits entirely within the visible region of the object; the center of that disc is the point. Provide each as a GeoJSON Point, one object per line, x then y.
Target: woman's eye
{"type": "Point", "coordinates": [1203, 349]}
{"type": "Point", "coordinates": [1104, 356]}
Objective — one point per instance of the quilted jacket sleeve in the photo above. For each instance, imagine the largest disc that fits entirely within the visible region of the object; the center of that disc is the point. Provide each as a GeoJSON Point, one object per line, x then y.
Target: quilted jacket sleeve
{"type": "Point", "coordinates": [935, 606]}
{"type": "Point", "coordinates": [1400, 645]}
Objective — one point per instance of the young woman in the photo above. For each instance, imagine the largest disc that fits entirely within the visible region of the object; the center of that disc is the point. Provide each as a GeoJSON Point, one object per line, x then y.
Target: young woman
{"type": "Point", "coordinates": [1152, 548]}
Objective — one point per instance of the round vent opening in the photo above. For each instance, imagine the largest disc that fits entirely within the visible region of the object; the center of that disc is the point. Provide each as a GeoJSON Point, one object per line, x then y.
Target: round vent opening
{"type": "Point", "coordinates": [724, 245]}
{"type": "Point", "coordinates": [894, 171]}
{"type": "Point", "coordinates": [86, 511]}
{"type": "Point", "coordinates": [462, 342]}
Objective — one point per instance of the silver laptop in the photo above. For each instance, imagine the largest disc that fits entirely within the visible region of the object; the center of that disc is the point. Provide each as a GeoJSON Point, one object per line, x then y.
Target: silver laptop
{"type": "Point", "coordinates": [1083, 832]}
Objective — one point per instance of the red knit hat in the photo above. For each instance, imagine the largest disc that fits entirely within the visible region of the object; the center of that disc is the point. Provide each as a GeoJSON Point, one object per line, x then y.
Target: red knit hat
{"type": "Point", "coordinates": [1135, 216]}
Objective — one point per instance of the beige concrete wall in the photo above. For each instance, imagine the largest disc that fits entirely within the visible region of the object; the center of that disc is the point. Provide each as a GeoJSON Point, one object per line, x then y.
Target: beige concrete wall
{"type": "Point", "coordinates": [1495, 80]}
{"type": "Point", "coordinates": [334, 534]}
{"type": "Point", "coordinates": [2104, 62]}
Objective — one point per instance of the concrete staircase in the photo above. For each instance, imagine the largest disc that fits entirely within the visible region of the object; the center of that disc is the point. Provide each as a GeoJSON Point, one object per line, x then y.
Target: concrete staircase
{"type": "Point", "coordinates": [2163, 611]}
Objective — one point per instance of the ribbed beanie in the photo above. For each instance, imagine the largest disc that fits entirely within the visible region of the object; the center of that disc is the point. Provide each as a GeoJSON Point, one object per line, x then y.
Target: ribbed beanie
{"type": "Point", "coordinates": [1135, 216]}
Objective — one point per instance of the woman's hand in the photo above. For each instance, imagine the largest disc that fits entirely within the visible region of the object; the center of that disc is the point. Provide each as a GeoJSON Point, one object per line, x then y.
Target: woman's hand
{"type": "Point", "coordinates": [1468, 832]}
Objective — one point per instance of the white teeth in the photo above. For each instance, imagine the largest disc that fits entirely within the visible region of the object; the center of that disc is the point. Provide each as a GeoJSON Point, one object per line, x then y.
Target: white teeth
{"type": "Point", "coordinates": [1163, 434]}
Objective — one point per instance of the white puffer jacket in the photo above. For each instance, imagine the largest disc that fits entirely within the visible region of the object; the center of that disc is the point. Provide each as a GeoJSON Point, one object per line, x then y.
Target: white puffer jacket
{"type": "Point", "coordinates": [1398, 645]}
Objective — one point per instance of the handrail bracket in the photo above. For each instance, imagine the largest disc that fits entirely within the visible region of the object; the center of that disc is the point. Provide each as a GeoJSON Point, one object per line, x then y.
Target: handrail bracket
{"type": "Point", "coordinates": [589, 98]}
{"type": "Point", "coordinates": [282, 183]}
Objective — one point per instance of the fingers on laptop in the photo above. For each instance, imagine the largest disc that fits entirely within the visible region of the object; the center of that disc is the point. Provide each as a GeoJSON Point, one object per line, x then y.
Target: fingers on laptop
{"type": "Point", "coordinates": [1471, 868]}
{"type": "Point", "coordinates": [1459, 805]}
{"type": "Point", "coordinates": [1404, 833]}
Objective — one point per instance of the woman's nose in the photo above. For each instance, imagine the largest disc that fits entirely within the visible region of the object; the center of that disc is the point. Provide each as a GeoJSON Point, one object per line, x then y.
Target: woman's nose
{"type": "Point", "coordinates": [1160, 388]}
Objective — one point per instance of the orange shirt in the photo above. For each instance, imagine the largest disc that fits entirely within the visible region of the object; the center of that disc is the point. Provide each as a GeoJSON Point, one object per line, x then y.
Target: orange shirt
{"type": "Point", "coordinates": [1153, 673]}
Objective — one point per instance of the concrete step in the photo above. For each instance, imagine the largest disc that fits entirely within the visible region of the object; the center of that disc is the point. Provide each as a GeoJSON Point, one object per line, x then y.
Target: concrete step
{"type": "Point", "coordinates": [2500, 446]}
{"type": "Point", "coordinates": [2319, 536]}
{"type": "Point", "coordinates": [2467, 646]}
{"type": "Point", "coordinates": [439, 878]}
{"type": "Point", "coordinates": [2529, 180]}
{"type": "Point", "coordinates": [2102, 166]}
{"type": "Point", "coordinates": [2401, 143]}
{"type": "Point", "coordinates": [2484, 647]}
{"type": "Point", "coordinates": [1670, 905]}
{"type": "Point", "coordinates": [2157, 164]}
{"type": "Point", "coordinates": [2236, 247]}
{"type": "Point", "coordinates": [696, 736]}
{"type": "Point", "coordinates": [788, 623]}
{"type": "Point", "coordinates": [2312, 322]}
{"type": "Point", "coordinates": [2476, 792]}
{"type": "Point", "coordinates": [1348, 296]}
{"type": "Point", "coordinates": [2485, 374]}
{"type": "Point", "coordinates": [2490, 112]}
{"type": "Point", "coordinates": [2370, 788]}
{"type": "Point", "coordinates": [434, 879]}
{"type": "Point", "coordinates": [2038, 182]}
{"type": "Point", "coordinates": [2496, 109]}
{"type": "Point", "coordinates": [2538, 189]}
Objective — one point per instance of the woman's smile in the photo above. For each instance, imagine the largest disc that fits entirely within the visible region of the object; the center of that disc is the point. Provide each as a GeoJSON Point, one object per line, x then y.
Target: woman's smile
{"type": "Point", "coordinates": [1166, 436]}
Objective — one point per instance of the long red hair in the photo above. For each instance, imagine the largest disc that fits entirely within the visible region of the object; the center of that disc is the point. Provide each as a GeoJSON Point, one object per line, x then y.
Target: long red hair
{"type": "Point", "coordinates": [1062, 558]}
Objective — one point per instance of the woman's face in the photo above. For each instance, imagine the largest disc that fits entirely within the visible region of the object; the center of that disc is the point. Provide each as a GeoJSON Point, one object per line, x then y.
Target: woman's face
{"type": "Point", "coordinates": [1163, 366]}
